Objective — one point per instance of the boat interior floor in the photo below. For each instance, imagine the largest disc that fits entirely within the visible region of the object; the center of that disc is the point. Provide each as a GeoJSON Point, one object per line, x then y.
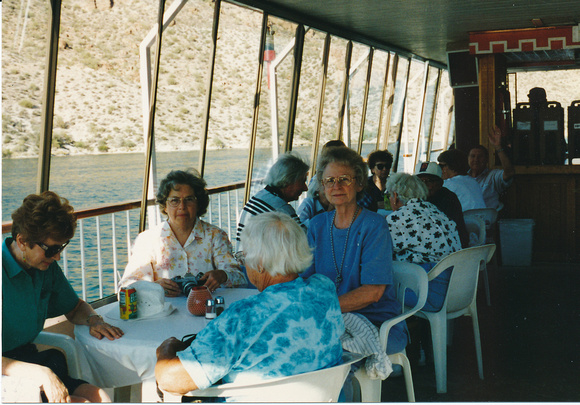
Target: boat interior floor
{"type": "Point", "coordinates": [530, 342]}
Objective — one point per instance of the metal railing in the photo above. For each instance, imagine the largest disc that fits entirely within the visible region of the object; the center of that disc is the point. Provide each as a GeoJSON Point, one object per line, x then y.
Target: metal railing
{"type": "Point", "coordinates": [102, 245]}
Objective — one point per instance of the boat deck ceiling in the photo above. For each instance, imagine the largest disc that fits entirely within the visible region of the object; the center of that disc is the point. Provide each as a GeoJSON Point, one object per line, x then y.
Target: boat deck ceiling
{"type": "Point", "coordinates": [426, 28]}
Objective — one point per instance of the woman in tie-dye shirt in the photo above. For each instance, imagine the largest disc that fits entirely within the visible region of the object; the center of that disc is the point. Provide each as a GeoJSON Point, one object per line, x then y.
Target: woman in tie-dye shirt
{"type": "Point", "coordinates": [293, 326]}
{"type": "Point", "coordinates": [185, 243]}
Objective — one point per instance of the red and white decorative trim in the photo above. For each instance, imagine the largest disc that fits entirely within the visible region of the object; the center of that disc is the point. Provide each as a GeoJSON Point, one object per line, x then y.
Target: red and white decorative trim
{"type": "Point", "coordinates": [525, 40]}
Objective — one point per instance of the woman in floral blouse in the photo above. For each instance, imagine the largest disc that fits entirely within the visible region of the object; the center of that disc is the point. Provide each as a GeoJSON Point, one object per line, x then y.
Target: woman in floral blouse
{"type": "Point", "coordinates": [421, 233]}
{"type": "Point", "coordinates": [185, 243]}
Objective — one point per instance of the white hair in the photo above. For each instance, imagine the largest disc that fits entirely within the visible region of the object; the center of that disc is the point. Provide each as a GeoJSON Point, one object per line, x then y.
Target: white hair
{"type": "Point", "coordinates": [288, 169]}
{"type": "Point", "coordinates": [407, 187]}
{"type": "Point", "coordinates": [275, 242]}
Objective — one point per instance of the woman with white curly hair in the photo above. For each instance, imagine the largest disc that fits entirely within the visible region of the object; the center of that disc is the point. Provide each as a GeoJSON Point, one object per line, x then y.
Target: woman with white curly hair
{"type": "Point", "coordinates": [421, 233]}
{"type": "Point", "coordinates": [292, 326]}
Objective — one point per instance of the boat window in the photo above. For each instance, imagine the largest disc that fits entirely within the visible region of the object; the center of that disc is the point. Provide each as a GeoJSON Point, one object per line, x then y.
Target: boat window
{"type": "Point", "coordinates": [23, 73]}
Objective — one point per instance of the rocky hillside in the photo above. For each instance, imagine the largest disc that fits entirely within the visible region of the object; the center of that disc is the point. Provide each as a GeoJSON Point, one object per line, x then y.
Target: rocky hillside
{"type": "Point", "coordinates": [98, 106]}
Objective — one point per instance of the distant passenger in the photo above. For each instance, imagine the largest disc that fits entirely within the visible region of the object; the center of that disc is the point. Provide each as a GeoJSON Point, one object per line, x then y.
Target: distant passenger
{"type": "Point", "coordinates": [442, 198]}
{"type": "Point", "coordinates": [315, 203]}
{"type": "Point", "coordinates": [184, 243]}
{"type": "Point", "coordinates": [454, 169]}
{"type": "Point", "coordinates": [285, 181]}
{"type": "Point", "coordinates": [292, 326]}
{"type": "Point", "coordinates": [493, 182]}
{"type": "Point", "coordinates": [380, 162]}
{"type": "Point", "coordinates": [34, 289]}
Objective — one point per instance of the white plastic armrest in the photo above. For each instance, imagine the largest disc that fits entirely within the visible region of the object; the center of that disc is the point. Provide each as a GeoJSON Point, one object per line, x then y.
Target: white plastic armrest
{"type": "Point", "coordinates": [68, 345]}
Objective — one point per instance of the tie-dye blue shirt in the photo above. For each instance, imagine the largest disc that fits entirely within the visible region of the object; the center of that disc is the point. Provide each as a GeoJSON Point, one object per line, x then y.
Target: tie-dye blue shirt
{"type": "Point", "coordinates": [288, 328]}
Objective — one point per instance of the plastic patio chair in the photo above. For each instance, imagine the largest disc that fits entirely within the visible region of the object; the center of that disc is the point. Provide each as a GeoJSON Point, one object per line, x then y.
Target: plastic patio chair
{"type": "Point", "coordinates": [315, 386]}
{"type": "Point", "coordinates": [477, 237]}
{"type": "Point", "coordinates": [489, 217]}
{"type": "Point", "coordinates": [405, 276]}
{"type": "Point", "coordinates": [16, 389]}
{"type": "Point", "coordinates": [460, 300]}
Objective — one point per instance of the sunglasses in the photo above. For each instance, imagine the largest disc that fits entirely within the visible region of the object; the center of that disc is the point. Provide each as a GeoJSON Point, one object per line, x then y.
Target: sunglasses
{"type": "Point", "coordinates": [176, 201]}
{"type": "Point", "coordinates": [381, 166]}
{"type": "Point", "coordinates": [343, 181]}
{"type": "Point", "coordinates": [50, 251]}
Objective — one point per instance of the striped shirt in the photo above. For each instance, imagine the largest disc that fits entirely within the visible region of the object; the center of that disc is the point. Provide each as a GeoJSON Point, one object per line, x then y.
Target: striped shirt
{"type": "Point", "coordinates": [266, 200]}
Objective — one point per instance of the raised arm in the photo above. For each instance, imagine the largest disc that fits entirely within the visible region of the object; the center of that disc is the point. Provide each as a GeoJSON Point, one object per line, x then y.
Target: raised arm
{"type": "Point", "coordinates": [495, 139]}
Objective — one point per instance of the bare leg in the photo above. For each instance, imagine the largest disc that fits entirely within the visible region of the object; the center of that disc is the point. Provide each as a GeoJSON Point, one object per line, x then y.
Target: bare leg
{"type": "Point", "coordinates": [90, 393]}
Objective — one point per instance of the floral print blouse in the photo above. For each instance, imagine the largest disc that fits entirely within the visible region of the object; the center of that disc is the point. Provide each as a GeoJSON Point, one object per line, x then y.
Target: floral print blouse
{"type": "Point", "coordinates": [421, 233]}
{"type": "Point", "coordinates": [158, 254]}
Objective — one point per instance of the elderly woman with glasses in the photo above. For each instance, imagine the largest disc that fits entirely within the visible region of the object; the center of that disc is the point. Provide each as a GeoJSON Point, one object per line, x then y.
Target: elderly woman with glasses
{"type": "Point", "coordinates": [292, 326]}
{"type": "Point", "coordinates": [352, 245]}
{"type": "Point", "coordinates": [421, 233]}
{"type": "Point", "coordinates": [183, 244]}
{"type": "Point", "coordinates": [34, 289]}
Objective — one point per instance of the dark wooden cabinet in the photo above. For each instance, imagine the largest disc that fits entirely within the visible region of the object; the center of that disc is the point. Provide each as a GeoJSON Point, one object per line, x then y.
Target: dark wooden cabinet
{"type": "Point", "coordinates": [550, 195]}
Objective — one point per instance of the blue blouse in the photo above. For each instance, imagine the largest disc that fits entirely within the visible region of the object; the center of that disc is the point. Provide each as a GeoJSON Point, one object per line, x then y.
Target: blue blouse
{"type": "Point", "coordinates": [368, 259]}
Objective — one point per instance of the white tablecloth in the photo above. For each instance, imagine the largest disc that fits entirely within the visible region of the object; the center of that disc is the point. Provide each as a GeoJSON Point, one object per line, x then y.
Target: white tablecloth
{"type": "Point", "coordinates": [131, 359]}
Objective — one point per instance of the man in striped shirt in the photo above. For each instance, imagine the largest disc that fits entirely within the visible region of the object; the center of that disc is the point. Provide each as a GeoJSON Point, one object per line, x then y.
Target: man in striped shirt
{"type": "Point", "coordinates": [285, 181]}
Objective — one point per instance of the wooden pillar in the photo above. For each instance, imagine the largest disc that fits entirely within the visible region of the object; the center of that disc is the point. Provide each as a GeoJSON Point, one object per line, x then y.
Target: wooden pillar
{"type": "Point", "coordinates": [492, 75]}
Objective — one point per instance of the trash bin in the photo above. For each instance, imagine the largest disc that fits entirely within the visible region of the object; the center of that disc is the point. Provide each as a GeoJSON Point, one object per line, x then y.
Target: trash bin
{"type": "Point", "coordinates": [516, 237]}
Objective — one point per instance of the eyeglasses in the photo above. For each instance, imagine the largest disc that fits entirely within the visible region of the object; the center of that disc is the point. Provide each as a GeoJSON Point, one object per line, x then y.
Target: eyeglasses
{"type": "Point", "coordinates": [241, 257]}
{"type": "Point", "coordinates": [50, 251]}
{"type": "Point", "coordinates": [176, 201]}
{"type": "Point", "coordinates": [342, 181]}
{"type": "Point", "coordinates": [381, 166]}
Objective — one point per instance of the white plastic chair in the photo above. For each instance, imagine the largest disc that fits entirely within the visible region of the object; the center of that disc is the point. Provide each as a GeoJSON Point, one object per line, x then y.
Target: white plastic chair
{"type": "Point", "coordinates": [16, 389]}
{"type": "Point", "coordinates": [315, 386]}
{"type": "Point", "coordinates": [489, 218]}
{"type": "Point", "coordinates": [477, 237]}
{"type": "Point", "coordinates": [460, 300]}
{"type": "Point", "coordinates": [405, 276]}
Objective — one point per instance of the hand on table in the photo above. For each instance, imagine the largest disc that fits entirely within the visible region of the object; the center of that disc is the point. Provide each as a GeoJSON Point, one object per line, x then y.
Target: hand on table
{"type": "Point", "coordinates": [214, 279]}
{"type": "Point", "coordinates": [101, 329]}
{"type": "Point", "coordinates": [171, 287]}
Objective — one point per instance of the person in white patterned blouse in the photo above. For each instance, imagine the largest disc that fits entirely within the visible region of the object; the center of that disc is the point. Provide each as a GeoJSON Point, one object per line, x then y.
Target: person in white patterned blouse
{"type": "Point", "coordinates": [421, 233]}
{"type": "Point", "coordinates": [185, 243]}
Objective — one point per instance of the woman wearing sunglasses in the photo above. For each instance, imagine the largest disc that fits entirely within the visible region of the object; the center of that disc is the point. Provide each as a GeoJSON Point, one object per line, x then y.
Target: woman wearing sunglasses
{"type": "Point", "coordinates": [352, 245]}
{"type": "Point", "coordinates": [34, 289]}
{"type": "Point", "coordinates": [380, 162]}
{"type": "Point", "coordinates": [184, 243]}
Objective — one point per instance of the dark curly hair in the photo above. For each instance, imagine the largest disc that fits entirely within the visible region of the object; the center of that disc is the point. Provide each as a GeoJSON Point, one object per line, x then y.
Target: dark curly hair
{"type": "Point", "coordinates": [380, 156]}
{"type": "Point", "coordinates": [191, 178]}
{"type": "Point", "coordinates": [456, 159]}
{"type": "Point", "coordinates": [44, 216]}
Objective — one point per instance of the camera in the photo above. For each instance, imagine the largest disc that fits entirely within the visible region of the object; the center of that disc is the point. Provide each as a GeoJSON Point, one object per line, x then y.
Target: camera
{"type": "Point", "coordinates": [187, 282]}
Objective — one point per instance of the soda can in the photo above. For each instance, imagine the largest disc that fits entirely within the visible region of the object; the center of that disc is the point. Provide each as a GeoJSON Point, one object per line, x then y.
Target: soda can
{"type": "Point", "coordinates": [128, 303]}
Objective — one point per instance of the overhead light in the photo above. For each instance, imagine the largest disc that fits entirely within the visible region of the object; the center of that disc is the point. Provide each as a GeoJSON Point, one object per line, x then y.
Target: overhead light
{"type": "Point", "coordinates": [537, 22]}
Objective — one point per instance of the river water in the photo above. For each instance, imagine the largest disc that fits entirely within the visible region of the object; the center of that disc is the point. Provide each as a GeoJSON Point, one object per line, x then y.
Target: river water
{"type": "Point", "coordinates": [94, 180]}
